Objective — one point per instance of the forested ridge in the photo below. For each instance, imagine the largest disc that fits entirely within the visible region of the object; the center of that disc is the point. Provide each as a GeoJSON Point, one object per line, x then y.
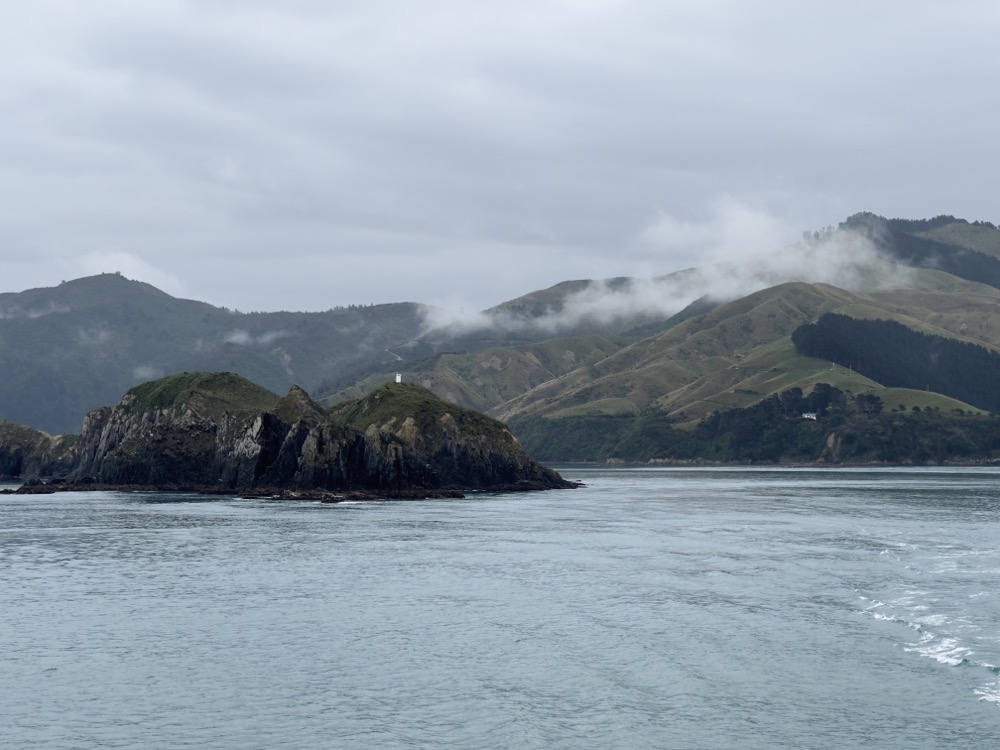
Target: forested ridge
{"type": "Point", "coordinates": [899, 357]}
{"type": "Point", "coordinates": [848, 428]}
{"type": "Point", "coordinates": [896, 237]}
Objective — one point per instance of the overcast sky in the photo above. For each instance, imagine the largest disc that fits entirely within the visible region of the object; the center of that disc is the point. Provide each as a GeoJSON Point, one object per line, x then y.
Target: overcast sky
{"type": "Point", "coordinates": [304, 154]}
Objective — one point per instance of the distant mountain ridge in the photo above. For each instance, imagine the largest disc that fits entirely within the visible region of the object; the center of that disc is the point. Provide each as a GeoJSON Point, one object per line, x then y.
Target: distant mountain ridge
{"type": "Point", "coordinates": [731, 354]}
{"type": "Point", "coordinates": [553, 357]}
{"type": "Point", "coordinates": [68, 349]}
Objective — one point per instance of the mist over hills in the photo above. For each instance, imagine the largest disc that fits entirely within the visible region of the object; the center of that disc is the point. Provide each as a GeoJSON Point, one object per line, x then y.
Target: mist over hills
{"type": "Point", "coordinates": [682, 345]}
{"type": "Point", "coordinates": [728, 353]}
{"type": "Point", "coordinates": [855, 258]}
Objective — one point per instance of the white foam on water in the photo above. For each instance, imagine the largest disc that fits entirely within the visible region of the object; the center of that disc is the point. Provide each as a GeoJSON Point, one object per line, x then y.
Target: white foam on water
{"type": "Point", "coordinates": [881, 616]}
{"type": "Point", "coordinates": [888, 618]}
{"type": "Point", "coordinates": [906, 600]}
{"type": "Point", "coordinates": [944, 651]}
{"type": "Point", "coordinates": [945, 617]}
{"type": "Point", "coordinates": [989, 692]}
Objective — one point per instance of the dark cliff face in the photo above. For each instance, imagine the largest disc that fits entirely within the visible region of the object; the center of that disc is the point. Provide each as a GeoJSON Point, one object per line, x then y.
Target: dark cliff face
{"type": "Point", "coordinates": [190, 430]}
{"type": "Point", "coordinates": [289, 446]}
{"type": "Point", "coordinates": [25, 452]}
{"type": "Point", "coordinates": [462, 447]}
{"type": "Point", "coordinates": [467, 458]}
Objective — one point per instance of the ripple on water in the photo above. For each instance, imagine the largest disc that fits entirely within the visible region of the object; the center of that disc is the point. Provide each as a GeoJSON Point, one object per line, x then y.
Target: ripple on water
{"type": "Point", "coordinates": [653, 608]}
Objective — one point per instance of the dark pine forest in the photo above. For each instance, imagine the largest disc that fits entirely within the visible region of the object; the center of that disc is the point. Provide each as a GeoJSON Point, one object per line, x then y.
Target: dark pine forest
{"type": "Point", "coordinates": [899, 357]}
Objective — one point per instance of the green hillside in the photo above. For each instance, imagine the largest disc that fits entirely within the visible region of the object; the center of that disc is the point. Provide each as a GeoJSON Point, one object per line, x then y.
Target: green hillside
{"type": "Point", "coordinates": [840, 428]}
{"type": "Point", "coordinates": [579, 350]}
{"type": "Point", "coordinates": [490, 376]}
{"type": "Point", "coordinates": [983, 238]}
{"type": "Point", "coordinates": [731, 357]}
{"type": "Point", "coordinates": [68, 349]}
{"type": "Point", "coordinates": [212, 393]}
{"type": "Point", "coordinates": [389, 406]}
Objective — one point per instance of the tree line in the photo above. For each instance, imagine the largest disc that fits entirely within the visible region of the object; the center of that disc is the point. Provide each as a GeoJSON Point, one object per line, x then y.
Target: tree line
{"type": "Point", "coordinates": [896, 238]}
{"type": "Point", "coordinates": [896, 356]}
{"type": "Point", "coordinates": [849, 428]}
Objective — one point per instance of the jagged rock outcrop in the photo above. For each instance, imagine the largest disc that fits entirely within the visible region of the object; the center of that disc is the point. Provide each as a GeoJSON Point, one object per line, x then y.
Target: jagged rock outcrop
{"type": "Point", "coordinates": [28, 452]}
{"type": "Point", "coordinates": [219, 431]}
{"type": "Point", "coordinates": [461, 446]}
{"type": "Point", "coordinates": [192, 429]}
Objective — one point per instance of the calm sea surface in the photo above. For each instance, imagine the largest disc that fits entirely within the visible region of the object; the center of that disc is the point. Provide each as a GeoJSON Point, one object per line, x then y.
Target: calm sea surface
{"type": "Point", "coordinates": [654, 608]}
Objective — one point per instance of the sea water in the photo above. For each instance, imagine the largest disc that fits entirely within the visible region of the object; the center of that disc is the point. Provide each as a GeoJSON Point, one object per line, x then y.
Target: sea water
{"type": "Point", "coordinates": [652, 608]}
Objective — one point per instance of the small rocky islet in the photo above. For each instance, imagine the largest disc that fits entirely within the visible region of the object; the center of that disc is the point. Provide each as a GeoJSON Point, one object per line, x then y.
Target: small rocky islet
{"type": "Point", "coordinates": [219, 433]}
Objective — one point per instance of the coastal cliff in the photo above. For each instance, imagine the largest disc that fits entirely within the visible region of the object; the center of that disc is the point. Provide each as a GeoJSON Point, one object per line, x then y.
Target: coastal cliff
{"type": "Point", "coordinates": [461, 446]}
{"type": "Point", "coordinates": [26, 452]}
{"type": "Point", "coordinates": [219, 431]}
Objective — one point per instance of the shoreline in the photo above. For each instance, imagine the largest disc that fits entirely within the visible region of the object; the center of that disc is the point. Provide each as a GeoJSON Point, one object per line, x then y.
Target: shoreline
{"type": "Point", "coordinates": [40, 487]}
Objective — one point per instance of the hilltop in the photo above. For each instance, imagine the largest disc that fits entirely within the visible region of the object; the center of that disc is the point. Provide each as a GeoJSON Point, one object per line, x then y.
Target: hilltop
{"type": "Point", "coordinates": [71, 348]}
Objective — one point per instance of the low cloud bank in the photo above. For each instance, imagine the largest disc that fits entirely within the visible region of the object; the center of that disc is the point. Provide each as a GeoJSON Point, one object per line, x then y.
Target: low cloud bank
{"type": "Point", "coordinates": [239, 337]}
{"type": "Point", "coordinates": [737, 252]}
{"type": "Point", "coordinates": [144, 373]}
{"type": "Point", "coordinates": [14, 312]}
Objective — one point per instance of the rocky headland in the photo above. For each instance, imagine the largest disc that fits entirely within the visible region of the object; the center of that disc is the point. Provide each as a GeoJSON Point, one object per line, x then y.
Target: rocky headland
{"type": "Point", "coordinates": [218, 432]}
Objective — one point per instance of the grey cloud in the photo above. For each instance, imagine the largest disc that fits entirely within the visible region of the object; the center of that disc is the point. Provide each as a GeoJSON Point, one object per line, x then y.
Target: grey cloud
{"type": "Point", "coordinates": [740, 251]}
{"type": "Point", "coordinates": [146, 373]}
{"type": "Point", "coordinates": [240, 337]}
{"type": "Point", "coordinates": [398, 149]}
{"type": "Point", "coordinates": [13, 311]}
{"type": "Point", "coordinates": [94, 336]}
